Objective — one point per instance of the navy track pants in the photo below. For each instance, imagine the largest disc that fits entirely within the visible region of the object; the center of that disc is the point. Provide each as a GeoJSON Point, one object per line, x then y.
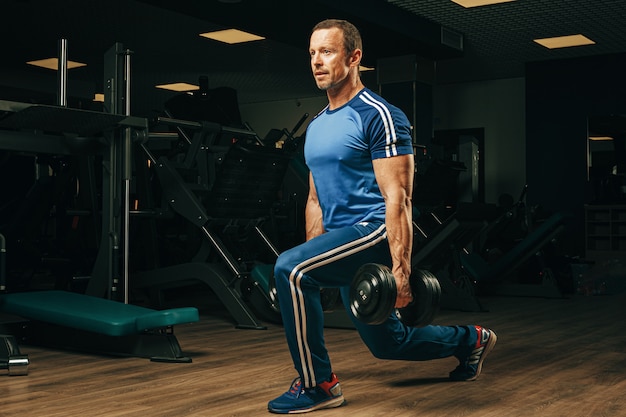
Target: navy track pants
{"type": "Point", "coordinates": [331, 260]}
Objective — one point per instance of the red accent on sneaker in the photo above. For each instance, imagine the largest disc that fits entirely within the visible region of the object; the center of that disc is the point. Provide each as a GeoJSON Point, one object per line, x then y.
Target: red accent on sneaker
{"type": "Point", "coordinates": [331, 387]}
{"type": "Point", "coordinates": [482, 337]}
{"type": "Point", "coordinates": [296, 387]}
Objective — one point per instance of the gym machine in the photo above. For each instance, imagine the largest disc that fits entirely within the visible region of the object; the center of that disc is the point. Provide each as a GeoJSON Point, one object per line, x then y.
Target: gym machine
{"type": "Point", "coordinates": [232, 192]}
{"type": "Point", "coordinates": [440, 239]}
{"type": "Point", "coordinates": [493, 276]}
{"type": "Point", "coordinates": [100, 320]}
{"type": "Point", "coordinates": [11, 358]}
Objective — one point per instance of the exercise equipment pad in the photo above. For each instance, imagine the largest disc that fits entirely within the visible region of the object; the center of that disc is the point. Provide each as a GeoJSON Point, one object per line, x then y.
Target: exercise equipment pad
{"type": "Point", "coordinates": [63, 119]}
{"type": "Point", "coordinates": [99, 315]}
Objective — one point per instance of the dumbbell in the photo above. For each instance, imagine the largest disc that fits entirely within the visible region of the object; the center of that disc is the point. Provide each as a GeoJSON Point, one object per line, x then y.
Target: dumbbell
{"type": "Point", "coordinates": [373, 296]}
{"type": "Point", "coordinates": [10, 357]}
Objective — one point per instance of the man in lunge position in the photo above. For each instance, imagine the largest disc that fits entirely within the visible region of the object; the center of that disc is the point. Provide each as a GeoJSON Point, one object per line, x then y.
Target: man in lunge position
{"type": "Point", "coordinates": [360, 156]}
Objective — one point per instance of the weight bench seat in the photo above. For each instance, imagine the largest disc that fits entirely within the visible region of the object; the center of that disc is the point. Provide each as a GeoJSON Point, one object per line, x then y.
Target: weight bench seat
{"type": "Point", "coordinates": [99, 315]}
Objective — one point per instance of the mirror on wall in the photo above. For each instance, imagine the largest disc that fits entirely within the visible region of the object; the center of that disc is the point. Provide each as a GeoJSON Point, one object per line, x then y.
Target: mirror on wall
{"type": "Point", "coordinates": [606, 159]}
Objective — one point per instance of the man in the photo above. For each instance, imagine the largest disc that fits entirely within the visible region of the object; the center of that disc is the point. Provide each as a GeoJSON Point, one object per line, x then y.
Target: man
{"type": "Point", "coordinates": [360, 156]}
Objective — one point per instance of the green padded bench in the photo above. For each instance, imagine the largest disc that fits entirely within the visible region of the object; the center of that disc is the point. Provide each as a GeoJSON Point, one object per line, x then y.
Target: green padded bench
{"type": "Point", "coordinates": [65, 315]}
{"type": "Point", "coordinates": [93, 314]}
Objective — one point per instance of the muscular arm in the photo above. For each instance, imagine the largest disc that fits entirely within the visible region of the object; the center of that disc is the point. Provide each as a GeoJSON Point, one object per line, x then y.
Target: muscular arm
{"type": "Point", "coordinates": [313, 213]}
{"type": "Point", "coordinates": [395, 179]}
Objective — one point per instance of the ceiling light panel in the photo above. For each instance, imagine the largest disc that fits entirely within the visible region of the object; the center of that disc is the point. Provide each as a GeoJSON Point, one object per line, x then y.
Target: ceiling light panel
{"type": "Point", "coordinates": [178, 87]}
{"type": "Point", "coordinates": [53, 63]}
{"type": "Point", "coordinates": [475, 3]}
{"type": "Point", "coordinates": [232, 36]}
{"type": "Point", "coordinates": [564, 41]}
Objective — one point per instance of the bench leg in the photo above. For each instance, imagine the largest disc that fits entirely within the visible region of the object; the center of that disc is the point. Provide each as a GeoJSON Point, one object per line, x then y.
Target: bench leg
{"type": "Point", "coordinates": [10, 357]}
{"type": "Point", "coordinates": [158, 346]}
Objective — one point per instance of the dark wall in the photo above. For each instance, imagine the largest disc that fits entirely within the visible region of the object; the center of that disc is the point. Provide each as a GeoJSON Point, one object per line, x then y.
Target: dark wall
{"type": "Point", "coordinates": [415, 99]}
{"type": "Point", "coordinates": [560, 96]}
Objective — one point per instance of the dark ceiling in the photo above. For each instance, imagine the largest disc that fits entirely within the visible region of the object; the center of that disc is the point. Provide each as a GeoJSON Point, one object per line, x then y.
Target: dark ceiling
{"type": "Point", "coordinates": [163, 36]}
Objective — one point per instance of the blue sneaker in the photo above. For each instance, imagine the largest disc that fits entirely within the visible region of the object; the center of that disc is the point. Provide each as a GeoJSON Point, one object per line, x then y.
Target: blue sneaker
{"type": "Point", "coordinates": [302, 400]}
{"type": "Point", "coordinates": [470, 367]}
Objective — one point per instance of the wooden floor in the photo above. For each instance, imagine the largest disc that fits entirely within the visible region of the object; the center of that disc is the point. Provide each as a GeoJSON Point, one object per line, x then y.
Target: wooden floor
{"type": "Point", "coordinates": [554, 357]}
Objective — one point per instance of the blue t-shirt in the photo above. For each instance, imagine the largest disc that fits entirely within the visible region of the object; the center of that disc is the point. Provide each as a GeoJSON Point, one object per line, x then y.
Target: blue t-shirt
{"type": "Point", "coordinates": [339, 148]}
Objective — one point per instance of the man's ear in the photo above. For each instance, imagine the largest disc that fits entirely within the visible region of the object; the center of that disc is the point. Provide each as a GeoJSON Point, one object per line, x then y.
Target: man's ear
{"type": "Point", "coordinates": [355, 57]}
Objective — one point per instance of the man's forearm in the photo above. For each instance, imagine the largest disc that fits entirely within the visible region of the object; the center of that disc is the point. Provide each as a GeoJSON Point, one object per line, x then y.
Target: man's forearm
{"type": "Point", "coordinates": [400, 235]}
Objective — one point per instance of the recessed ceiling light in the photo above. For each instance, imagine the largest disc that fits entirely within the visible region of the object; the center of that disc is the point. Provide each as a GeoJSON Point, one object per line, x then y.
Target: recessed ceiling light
{"type": "Point", "coordinates": [53, 63]}
{"type": "Point", "coordinates": [564, 41]}
{"type": "Point", "coordinates": [231, 36]}
{"type": "Point", "coordinates": [600, 138]}
{"type": "Point", "coordinates": [178, 87]}
{"type": "Point", "coordinates": [475, 3]}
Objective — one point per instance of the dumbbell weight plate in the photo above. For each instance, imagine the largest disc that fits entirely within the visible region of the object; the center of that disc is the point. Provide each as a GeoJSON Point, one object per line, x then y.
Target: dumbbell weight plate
{"type": "Point", "coordinates": [329, 297]}
{"type": "Point", "coordinates": [373, 293]}
{"type": "Point", "coordinates": [426, 297]}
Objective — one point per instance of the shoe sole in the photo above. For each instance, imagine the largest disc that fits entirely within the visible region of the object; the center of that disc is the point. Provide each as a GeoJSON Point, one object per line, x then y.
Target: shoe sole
{"type": "Point", "coordinates": [331, 403]}
{"type": "Point", "coordinates": [488, 348]}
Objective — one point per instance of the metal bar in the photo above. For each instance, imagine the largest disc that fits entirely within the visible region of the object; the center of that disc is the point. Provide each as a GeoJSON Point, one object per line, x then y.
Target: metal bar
{"type": "Point", "coordinates": [62, 73]}
{"type": "Point", "coordinates": [180, 129]}
{"type": "Point", "coordinates": [299, 124]}
{"type": "Point", "coordinates": [127, 174]}
{"type": "Point", "coordinates": [238, 131]}
{"type": "Point", "coordinates": [422, 232]}
{"type": "Point", "coordinates": [196, 125]}
{"type": "Point", "coordinates": [267, 241]}
{"type": "Point", "coordinates": [163, 135]}
{"type": "Point", "coordinates": [147, 151]}
{"type": "Point", "coordinates": [226, 257]}
{"type": "Point", "coordinates": [3, 255]}
{"type": "Point", "coordinates": [588, 154]}
{"type": "Point", "coordinates": [179, 122]}
{"type": "Point", "coordinates": [256, 137]}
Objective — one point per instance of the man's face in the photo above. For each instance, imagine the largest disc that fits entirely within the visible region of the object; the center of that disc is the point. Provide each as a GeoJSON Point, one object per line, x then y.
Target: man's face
{"type": "Point", "coordinates": [329, 62]}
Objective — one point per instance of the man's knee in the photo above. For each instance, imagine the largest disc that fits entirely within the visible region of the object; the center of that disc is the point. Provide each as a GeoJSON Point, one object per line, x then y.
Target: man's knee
{"type": "Point", "coordinates": [383, 341]}
{"type": "Point", "coordinates": [285, 265]}
{"type": "Point", "coordinates": [388, 351]}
